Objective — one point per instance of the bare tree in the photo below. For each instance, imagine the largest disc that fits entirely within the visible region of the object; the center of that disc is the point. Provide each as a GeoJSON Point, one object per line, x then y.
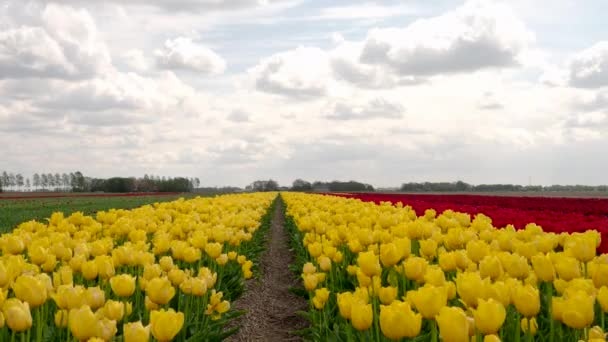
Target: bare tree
{"type": "Point", "coordinates": [36, 180]}
{"type": "Point", "coordinates": [28, 184]}
{"type": "Point", "coordinates": [19, 181]}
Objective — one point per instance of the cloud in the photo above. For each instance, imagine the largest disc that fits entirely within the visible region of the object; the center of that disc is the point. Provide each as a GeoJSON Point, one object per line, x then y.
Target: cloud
{"type": "Point", "coordinates": [136, 60]}
{"type": "Point", "coordinates": [182, 5]}
{"type": "Point", "coordinates": [363, 11]}
{"type": "Point", "coordinates": [475, 36]}
{"type": "Point", "coordinates": [589, 68]}
{"type": "Point", "coordinates": [60, 42]}
{"type": "Point", "coordinates": [346, 67]}
{"type": "Point", "coordinates": [489, 102]}
{"type": "Point", "coordinates": [238, 116]}
{"type": "Point", "coordinates": [378, 108]}
{"type": "Point", "coordinates": [183, 54]}
{"type": "Point", "coordinates": [300, 73]}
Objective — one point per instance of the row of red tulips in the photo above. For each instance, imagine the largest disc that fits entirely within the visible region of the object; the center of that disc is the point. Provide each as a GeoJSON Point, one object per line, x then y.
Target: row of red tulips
{"type": "Point", "coordinates": [554, 215]}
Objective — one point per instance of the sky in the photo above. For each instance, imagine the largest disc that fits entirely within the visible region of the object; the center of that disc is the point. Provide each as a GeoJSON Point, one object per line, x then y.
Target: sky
{"type": "Point", "coordinates": [230, 91]}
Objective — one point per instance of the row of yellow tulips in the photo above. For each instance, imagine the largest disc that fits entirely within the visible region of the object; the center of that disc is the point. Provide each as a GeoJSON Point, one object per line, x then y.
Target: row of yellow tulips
{"type": "Point", "coordinates": [382, 272]}
{"type": "Point", "coordinates": [168, 270]}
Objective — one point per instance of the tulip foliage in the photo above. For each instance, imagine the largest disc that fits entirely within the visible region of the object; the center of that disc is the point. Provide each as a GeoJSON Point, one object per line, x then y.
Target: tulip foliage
{"type": "Point", "coordinates": [166, 272]}
{"type": "Point", "coordinates": [380, 272]}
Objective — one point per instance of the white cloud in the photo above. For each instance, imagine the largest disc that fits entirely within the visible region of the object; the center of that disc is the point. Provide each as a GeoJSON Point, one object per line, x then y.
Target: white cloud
{"type": "Point", "coordinates": [377, 108]}
{"type": "Point", "coordinates": [136, 60]}
{"type": "Point", "coordinates": [589, 68]}
{"type": "Point", "coordinates": [475, 36]}
{"type": "Point", "coordinates": [368, 10]}
{"type": "Point", "coordinates": [60, 42]}
{"type": "Point", "coordinates": [300, 73]}
{"type": "Point", "coordinates": [183, 54]}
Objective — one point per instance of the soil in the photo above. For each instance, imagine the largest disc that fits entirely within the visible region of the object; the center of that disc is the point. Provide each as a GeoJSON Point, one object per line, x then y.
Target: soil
{"type": "Point", "coordinates": [271, 308]}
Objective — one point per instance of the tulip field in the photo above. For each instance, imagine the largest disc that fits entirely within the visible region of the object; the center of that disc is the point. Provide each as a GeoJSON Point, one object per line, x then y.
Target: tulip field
{"type": "Point", "coordinates": [372, 267]}
{"type": "Point", "coordinates": [381, 268]}
{"type": "Point", "coordinates": [163, 272]}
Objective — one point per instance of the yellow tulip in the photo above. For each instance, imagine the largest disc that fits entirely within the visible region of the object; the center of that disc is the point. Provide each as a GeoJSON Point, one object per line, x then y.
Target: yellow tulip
{"type": "Point", "coordinates": [217, 306]}
{"type": "Point", "coordinates": [577, 310]}
{"type": "Point", "coordinates": [320, 298]}
{"type": "Point", "coordinates": [136, 332]}
{"type": "Point", "coordinates": [61, 318]}
{"type": "Point", "coordinates": [471, 287]}
{"type": "Point", "coordinates": [532, 323]}
{"type": "Point", "coordinates": [361, 315]}
{"type": "Point", "coordinates": [17, 314]}
{"type": "Point", "coordinates": [491, 338]}
{"type": "Point", "coordinates": [490, 266]}
{"type": "Point", "coordinates": [369, 263]}
{"type": "Point", "coordinates": [392, 318]}
{"type": "Point", "coordinates": [309, 268]}
{"type": "Point", "coordinates": [160, 290]}
{"type": "Point", "coordinates": [114, 310]}
{"type": "Point", "coordinates": [324, 263]}
{"type": "Point", "coordinates": [345, 301]}
{"type": "Point", "coordinates": [106, 329]}
{"type": "Point", "coordinates": [434, 276]}
{"type": "Point", "coordinates": [500, 292]}
{"type": "Point", "coordinates": [89, 270]}
{"type": "Point", "coordinates": [568, 268]}
{"type": "Point", "coordinates": [63, 277]}
{"type": "Point", "coordinates": [602, 298]}
{"type": "Point", "coordinates": [428, 249]}
{"type": "Point", "coordinates": [429, 300]}
{"type": "Point", "coordinates": [477, 250]}
{"type": "Point", "coordinates": [597, 333]}
{"type": "Point", "coordinates": [453, 324]}
{"type": "Point", "coordinates": [310, 281]}
{"type": "Point", "coordinates": [105, 266]}
{"type": "Point", "coordinates": [83, 323]}
{"type": "Point", "coordinates": [123, 285]}
{"type": "Point", "coordinates": [177, 276]}
{"type": "Point", "coordinates": [600, 275]}
{"type": "Point", "coordinates": [526, 300]}
{"type": "Point", "coordinates": [543, 267]}
{"type": "Point", "coordinates": [31, 290]}
{"type": "Point", "coordinates": [415, 268]}
{"type": "Point", "coordinates": [166, 324]}
{"type": "Point", "coordinates": [489, 316]}
{"type": "Point", "coordinates": [199, 287]}
{"type": "Point", "coordinates": [447, 262]}
{"type": "Point", "coordinates": [387, 294]}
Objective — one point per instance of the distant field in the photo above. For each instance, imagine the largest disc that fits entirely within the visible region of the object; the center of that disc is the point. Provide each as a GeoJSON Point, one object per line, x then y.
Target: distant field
{"type": "Point", "coordinates": [15, 211]}
{"type": "Point", "coordinates": [564, 194]}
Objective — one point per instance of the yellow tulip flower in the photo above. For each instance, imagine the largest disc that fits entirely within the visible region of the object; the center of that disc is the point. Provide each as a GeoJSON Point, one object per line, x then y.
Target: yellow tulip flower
{"type": "Point", "coordinates": [166, 324]}
{"type": "Point", "coordinates": [453, 324]}
{"type": "Point", "coordinates": [489, 316]}
{"type": "Point", "coordinates": [31, 290]}
{"type": "Point", "coordinates": [160, 290]}
{"type": "Point", "coordinates": [320, 298]}
{"type": "Point", "coordinates": [369, 263]}
{"type": "Point", "coordinates": [17, 314]}
{"type": "Point", "coordinates": [361, 315]}
{"type": "Point", "coordinates": [392, 318]}
{"type": "Point", "coordinates": [136, 332]}
{"type": "Point", "coordinates": [123, 285]}
{"type": "Point", "coordinates": [345, 301]}
{"type": "Point", "coordinates": [83, 323]}
{"type": "Point", "coordinates": [526, 300]}
{"type": "Point", "coordinates": [429, 300]}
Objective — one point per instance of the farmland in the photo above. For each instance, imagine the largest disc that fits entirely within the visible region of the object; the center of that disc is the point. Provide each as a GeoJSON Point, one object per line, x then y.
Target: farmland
{"type": "Point", "coordinates": [319, 267]}
{"type": "Point", "coordinates": [31, 207]}
{"type": "Point", "coordinates": [381, 267]}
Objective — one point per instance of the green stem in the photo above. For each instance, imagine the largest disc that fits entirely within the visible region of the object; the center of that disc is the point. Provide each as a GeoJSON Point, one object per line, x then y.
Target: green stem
{"type": "Point", "coordinates": [517, 327]}
{"type": "Point", "coordinates": [433, 331]}
{"type": "Point", "coordinates": [550, 303]}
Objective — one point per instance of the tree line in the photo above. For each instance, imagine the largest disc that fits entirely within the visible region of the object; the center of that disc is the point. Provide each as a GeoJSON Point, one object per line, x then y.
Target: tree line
{"type": "Point", "coordinates": [303, 185]}
{"type": "Point", "coordinates": [77, 182]}
{"type": "Point", "coordinates": [461, 186]}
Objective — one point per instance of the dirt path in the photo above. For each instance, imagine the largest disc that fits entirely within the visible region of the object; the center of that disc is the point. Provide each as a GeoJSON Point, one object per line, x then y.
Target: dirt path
{"type": "Point", "coordinates": [271, 308]}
